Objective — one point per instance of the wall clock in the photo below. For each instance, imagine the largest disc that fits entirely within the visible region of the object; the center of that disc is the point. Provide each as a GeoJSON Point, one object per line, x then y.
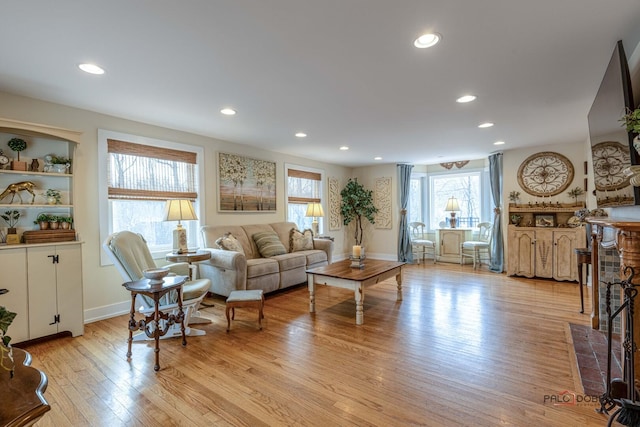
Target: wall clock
{"type": "Point", "coordinates": [545, 174]}
{"type": "Point", "coordinates": [610, 158]}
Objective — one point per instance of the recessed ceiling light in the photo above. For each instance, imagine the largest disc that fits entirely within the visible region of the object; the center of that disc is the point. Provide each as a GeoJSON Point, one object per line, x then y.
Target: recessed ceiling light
{"type": "Point", "coordinates": [91, 68]}
{"type": "Point", "coordinates": [344, 148]}
{"type": "Point", "coordinates": [377, 158]}
{"type": "Point", "coordinates": [466, 98]}
{"type": "Point", "coordinates": [301, 135]}
{"type": "Point", "coordinates": [228, 111]}
{"type": "Point", "coordinates": [498, 143]}
{"type": "Point", "coordinates": [485, 125]}
{"type": "Point", "coordinates": [427, 40]}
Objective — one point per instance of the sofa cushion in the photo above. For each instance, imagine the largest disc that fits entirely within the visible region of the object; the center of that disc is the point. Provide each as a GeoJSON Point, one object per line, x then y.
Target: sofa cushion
{"type": "Point", "coordinates": [261, 267]}
{"type": "Point", "coordinates": [291, 261]}
{"type": "Point", "coordinates": [300, 240]}
{"type": "Point", "coordinates": [268, 244]}
{"type": "Point", "coordinates": [229, 243]}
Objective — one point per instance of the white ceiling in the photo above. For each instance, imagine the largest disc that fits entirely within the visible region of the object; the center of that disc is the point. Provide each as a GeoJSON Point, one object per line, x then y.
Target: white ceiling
{"type": "Point", "coordinates": [343, 71]}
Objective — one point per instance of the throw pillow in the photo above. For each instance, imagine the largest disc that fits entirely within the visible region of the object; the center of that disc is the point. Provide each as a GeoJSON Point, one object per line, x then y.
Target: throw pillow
{"type": "Point", "coordinates": [229, 243]}
{"type": "Point", "coordinates": [300, 240]}
{"type": "Point", "coordinates": [268, 244]}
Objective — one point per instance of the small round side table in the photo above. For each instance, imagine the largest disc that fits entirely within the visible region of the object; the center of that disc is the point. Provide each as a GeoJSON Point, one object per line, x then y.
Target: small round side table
{"type": "Point", "coordinates": [188, 257]}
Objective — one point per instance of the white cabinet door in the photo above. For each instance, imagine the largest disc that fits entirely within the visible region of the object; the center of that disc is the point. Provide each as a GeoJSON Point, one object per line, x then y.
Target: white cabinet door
{"type": "Point", "coordinates": [55, 290]}
{"type": "Point", "coordinates": [565, 263]}
{"type": "Point", "coordinates": [544, 253]}
{"type": "Point", "coordinates": [13, 264]}
{"type": "Point", "coordinates": [449, 241]}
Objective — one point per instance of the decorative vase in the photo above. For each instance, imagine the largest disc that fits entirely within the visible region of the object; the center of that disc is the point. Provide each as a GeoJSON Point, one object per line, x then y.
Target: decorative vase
{"type": "Point", "coordinates": [65, 225]}
{"type": "Point", "coordinates": [53, 225]}
{"type": "Point", "coordinates": [51, 200]}
{"type": "Point", "coordinates": [44, 225]}
{"type": "Point", "coordinates": [35, 165]}
{"type": "Point", "coordinates": [60, 168]}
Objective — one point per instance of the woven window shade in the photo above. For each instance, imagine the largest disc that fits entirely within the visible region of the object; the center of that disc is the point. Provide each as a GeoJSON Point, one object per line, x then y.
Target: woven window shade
{"type": "Point", "coordinates": [144, 172]}
{"type": "Point", "coordinates": [293, 173]}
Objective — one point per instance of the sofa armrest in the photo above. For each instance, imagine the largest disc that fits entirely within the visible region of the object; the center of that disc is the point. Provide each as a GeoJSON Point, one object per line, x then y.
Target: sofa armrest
{"type": "Point", "coordinates": [325, 245]}
{"type": "Point", "coordinates": [227, 271]}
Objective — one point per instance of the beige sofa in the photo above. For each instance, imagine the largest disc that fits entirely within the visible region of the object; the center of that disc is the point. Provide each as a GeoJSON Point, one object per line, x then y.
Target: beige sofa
{"type": "Point", "coordinates": [232, 270]}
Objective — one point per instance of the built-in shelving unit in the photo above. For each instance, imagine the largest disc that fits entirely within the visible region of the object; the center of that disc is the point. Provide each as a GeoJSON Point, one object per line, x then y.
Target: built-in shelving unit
{"type": "Point", "coordinates": [44, 280]}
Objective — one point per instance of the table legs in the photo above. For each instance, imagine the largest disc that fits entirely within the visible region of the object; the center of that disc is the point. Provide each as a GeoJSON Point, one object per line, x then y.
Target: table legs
{"type": "Point", "coordinates": [312, 293]}
{"type": "Point", "coordinates": [359, 295]}
{"type": "Point", "coordinates": [399, 281]}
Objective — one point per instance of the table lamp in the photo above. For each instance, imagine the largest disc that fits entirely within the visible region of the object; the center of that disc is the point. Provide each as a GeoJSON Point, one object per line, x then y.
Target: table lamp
{"type": "Point", "coordinates": [452, 206]}
{"type": "Point", "coordinates": [179, 210]}
{"type": "Point", "coordinates": [315, 210]}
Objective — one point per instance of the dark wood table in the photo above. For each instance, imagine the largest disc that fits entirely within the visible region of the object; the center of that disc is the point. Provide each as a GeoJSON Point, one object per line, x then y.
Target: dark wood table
{"type": "Point", "coordinates": [22, 402]}
{"type": "Point", "coordinates": [151, 324]}
{"type": "Point", "coordinates": [342, 275]}
{"type": "Point", "coordinates": [188, 257]}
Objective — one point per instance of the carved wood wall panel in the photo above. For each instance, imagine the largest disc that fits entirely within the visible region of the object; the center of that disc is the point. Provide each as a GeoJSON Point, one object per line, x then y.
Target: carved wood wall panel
{"type": "Point", "coordinates": [335, 222]}
{"type": "Point", "coordinates": [382, 201]}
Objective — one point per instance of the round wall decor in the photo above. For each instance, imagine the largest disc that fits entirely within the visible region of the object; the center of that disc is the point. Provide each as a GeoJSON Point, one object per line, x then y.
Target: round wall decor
{"type": "Point", "coordinates": [545, 174]}
{"type": "Point", "coordinates": [610, 158]}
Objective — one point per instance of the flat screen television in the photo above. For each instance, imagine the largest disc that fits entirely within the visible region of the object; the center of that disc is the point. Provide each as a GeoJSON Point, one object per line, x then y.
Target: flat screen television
{"type": "Point", "coordinates": [611, 145]}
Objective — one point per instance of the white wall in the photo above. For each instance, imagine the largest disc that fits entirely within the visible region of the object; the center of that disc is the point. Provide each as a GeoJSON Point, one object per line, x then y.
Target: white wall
{"type": "Point", "coordinates": [103, 293]}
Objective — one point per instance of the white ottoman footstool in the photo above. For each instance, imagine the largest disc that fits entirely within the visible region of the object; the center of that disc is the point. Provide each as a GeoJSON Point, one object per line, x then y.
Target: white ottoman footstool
{"type": "Point", "coordinates": [253, 298]}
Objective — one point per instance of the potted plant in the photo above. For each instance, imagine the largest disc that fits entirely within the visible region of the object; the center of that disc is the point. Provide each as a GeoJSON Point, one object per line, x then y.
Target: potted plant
{"type": "Point", "coordinates": [43, 221]}
{"type": "Point", "coordinates": [631, 121]}
{"type": "Point", "coordinates": [11, 218]}
{"type": "Point", "coordinates": [6, 360]}
{"type": "Point", "coordinates": [575, 193]}
{"type": "Point", "coordinates": [357, 202]}
{"type": "Point", "coordinates": [18, 145]}
{"type": "Point", "coordinates": [53, 196]}
{"type": "Point", "coordinates": [60, 164]}
{"type": "Point", "coordinates": [65, 222]}
{"type": "Point", "coordinates": [514, 196]}
{"type": "Point", "coordinates": [54, 222]}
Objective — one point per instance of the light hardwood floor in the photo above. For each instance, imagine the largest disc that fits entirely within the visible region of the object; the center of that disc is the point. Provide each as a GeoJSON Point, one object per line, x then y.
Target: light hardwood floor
{"type": "Point", "coordinates": [464, 348]}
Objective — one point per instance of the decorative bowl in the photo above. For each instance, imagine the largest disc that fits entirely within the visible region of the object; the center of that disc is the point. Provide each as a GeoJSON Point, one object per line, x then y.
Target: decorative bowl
{"type": "Point", "coordinates": [155, 275]}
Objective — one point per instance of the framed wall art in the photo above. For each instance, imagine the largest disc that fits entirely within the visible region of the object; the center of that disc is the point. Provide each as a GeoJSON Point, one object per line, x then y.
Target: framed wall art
{"type": "Point", "coordinates": [335, 222]}
{"type": "Point", "coordinates": [246, 184]}
{"type": "Point", "coordinates": [545, 220]}
{"type": "Point", "coordinates": [382, 201]}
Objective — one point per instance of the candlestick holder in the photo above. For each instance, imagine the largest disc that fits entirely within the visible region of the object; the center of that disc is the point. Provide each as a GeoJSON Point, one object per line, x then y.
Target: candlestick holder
{"type": "Point", "coordinates": [357, 262]}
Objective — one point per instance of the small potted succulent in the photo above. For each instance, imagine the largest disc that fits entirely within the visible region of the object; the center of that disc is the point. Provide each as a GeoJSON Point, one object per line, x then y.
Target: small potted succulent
{"type": "Point", "coordinates": [514, 197]}
{"type": "Point", "coordinates": [43, 221]}
{"type": "Point", "coordinates": [54, 222]}
{"type": "Point", "coordinates": [6, 358]}
{"type": "Point", "coordinates": [53, 196]}
{"type": "Point", "coordinates": [18, 145]}
{"type": "Point", "coordinates": [65, 222]}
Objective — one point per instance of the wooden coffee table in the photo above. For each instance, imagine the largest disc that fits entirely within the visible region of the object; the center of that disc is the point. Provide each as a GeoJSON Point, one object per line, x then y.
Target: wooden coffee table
{"type": "Point", "coordinates": [341, 275]}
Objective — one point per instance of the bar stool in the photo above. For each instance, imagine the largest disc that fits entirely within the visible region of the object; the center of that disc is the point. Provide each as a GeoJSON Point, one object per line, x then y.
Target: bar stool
{"type": "Point", "coordinates": [583, 256]}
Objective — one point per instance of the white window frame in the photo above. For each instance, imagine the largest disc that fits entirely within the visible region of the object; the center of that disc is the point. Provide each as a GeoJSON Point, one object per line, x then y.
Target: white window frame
{"type": "Point", "coordinates": [485, 193]}
{"type": "Point", "coordinates": [103, 198]}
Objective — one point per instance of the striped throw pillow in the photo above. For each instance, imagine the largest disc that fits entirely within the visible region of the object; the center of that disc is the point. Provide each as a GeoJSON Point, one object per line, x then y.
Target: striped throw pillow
{"type": "Point", "coordinates": [268, 244]}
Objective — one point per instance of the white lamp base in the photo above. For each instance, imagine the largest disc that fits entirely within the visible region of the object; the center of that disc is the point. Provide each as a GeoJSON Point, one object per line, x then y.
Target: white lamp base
{"type": "Point", "coordinates": [315, 228]}
{"type": "Point", "coordinates": [180, 240]}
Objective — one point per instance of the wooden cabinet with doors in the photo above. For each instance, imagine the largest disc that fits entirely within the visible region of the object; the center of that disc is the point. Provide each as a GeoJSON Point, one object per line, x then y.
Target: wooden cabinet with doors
{"type": "Point", "coordinates": [448, 241]}
{"type": "Point", "coordinates": [544, 252]}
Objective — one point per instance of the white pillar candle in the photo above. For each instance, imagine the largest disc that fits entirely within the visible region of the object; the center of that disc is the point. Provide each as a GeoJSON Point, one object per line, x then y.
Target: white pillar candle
{"type": "Point", "coordinates": [356, 251]}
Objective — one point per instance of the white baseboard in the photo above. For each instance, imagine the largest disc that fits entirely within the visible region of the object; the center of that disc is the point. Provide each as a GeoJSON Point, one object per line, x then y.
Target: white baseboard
{"type": "Point", "coordinates": [106, 311]}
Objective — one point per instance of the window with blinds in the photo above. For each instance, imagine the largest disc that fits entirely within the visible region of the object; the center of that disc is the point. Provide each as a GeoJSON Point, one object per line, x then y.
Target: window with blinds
{"type": "Point", "coordinates": [143, 172]}
{"type": "Point", "coordinates": [304, 186]}
{"type": "Point", "coordinates": [137, 176]}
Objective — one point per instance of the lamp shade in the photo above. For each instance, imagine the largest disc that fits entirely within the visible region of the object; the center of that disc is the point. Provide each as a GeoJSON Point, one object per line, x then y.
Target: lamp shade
{"type": "Point", "coordinates": [179, 210]}
{"type": "Point", "coordinates": [314, 210]}
{"type": "Point", "coordinates": [452, 205]}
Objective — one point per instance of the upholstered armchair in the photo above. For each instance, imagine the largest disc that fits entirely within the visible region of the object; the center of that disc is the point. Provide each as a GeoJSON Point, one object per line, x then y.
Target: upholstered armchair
{"type": "Point", "coordinates": [131, 256]}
